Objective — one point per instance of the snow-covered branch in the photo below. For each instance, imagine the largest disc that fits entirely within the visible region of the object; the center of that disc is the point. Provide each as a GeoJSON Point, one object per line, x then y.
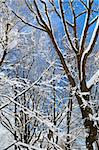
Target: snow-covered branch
{"type": "Point", "coordinates": [35, 114]}
{"type": "Point", "coordinates": [25, 22]}
{"type": "Point", "coordinates": [90, 47]}
{"type": "Point", "coordinates": [30, 147]}
{"type": "Point", "coordinates": [94, 79]}
{"type": "Point", "coordinates": [4, 105]}
{"type": "Point", "coordinates": [34, 83]}
{"type": "Point", "coordinates": [93, 21]}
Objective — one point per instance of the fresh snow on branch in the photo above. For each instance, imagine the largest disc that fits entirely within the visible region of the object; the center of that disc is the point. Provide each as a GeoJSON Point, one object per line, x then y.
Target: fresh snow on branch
{"type": "Point", "coordinates": [94, 79]}
{"type": "Point", "coordinates": [30, 147]}
{"type": "Point", "coordinates": [35, 82]}
{"type": "Point", "coordinates": [35, 114]}
{"type": "Point", "coordinates": [89, 46]}
{"type": "Point", "coordinates": [4, 105]}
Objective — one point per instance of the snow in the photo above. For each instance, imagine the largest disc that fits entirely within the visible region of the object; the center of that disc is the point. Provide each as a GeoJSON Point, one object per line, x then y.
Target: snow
{"type": "Point", "coordinates": [93, 117]}
{"type": "Point", "coordinates": [94, 79]}
{"type": "Point", "coordinates": [4, 105]}
{"type": "Point", "coordinates": [81, 94]}
{"type": "Point", "coordinates": [82, 35]}
{"type": "Point", "coordinates": [28, 146]}
{"type": "Point", "coordinates": [35, 114]}
{"type": "Point", "coordinates": [93, 36]}
{"type": "Point", "coordinates": [55, 145]}
{"type": "Point", "coordinates": [89, 46]}
{"type": "Point", "coordinates": [2, 75]}
{"type": "Point", "coordinates": [42, 100]}
{"type": "Point", "coordinates": [84, 93]}
{"type": "Point", "coordinates": [85, 103]}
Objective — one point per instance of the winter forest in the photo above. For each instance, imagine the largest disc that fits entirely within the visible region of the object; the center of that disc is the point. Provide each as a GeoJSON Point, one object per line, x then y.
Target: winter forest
{"type": "Point", "coordinates": [49, 75]}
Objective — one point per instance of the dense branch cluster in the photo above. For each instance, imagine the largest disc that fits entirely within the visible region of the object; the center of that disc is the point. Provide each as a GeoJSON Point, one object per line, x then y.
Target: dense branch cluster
{"type": "Point", "coordinates": [49, 98]}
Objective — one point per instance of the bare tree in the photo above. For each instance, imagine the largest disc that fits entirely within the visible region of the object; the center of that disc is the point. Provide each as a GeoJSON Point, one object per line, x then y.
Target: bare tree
{"type": "Point", "coordinates": [37, 121]}
{"type": "Point", "coordinates": [80, 46]}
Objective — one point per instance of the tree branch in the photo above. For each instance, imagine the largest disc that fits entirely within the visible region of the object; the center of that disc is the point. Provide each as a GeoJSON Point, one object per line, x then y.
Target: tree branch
{"type": "Point", "coordinates": [83, 12]}
{"type": "Point", "coordinates": [74, 26]}
{"type": "Point", "coordinates": [93, 21]}
{"type": "Point", "coordinates": [94, 79]}
{"type": "Point", "coordinates": [31, 25]}
{"type": "Point", "coordinates": [65, 27]}
{"type": "Point", "coordinates": [89, 49]}
{"type": "Point", "coordinates": [85, 29]}
{"type": "Point", "coordinates": [84, 4]}
{"type": "Point", "coordinates": [65, 67]}
{"type": "Point", "coordinates": [46, 12]}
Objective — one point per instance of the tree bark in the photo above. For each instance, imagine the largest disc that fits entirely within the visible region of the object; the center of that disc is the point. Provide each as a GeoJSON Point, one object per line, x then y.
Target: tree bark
{"type": "Point", "coordinates": [90, 129]}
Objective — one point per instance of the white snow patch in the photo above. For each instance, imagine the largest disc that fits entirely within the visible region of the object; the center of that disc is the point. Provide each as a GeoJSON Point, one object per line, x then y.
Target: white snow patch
{"type": "Point", "coordinates": [94, 79]}
{"type": "Point", "coordinates": [89, 46]}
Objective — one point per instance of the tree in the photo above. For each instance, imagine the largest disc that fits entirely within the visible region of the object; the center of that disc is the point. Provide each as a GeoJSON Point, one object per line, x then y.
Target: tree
{"type": "Point", "coordinates": [8, 31]}
{"type": "Point", "coordinates": [73, 53]}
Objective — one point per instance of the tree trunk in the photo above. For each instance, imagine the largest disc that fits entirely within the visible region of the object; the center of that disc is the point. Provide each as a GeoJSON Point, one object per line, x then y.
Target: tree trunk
{"type": "Point", "coordinates": [69, 112]}
{"type": "Point", "coordinates": [90, 129]}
